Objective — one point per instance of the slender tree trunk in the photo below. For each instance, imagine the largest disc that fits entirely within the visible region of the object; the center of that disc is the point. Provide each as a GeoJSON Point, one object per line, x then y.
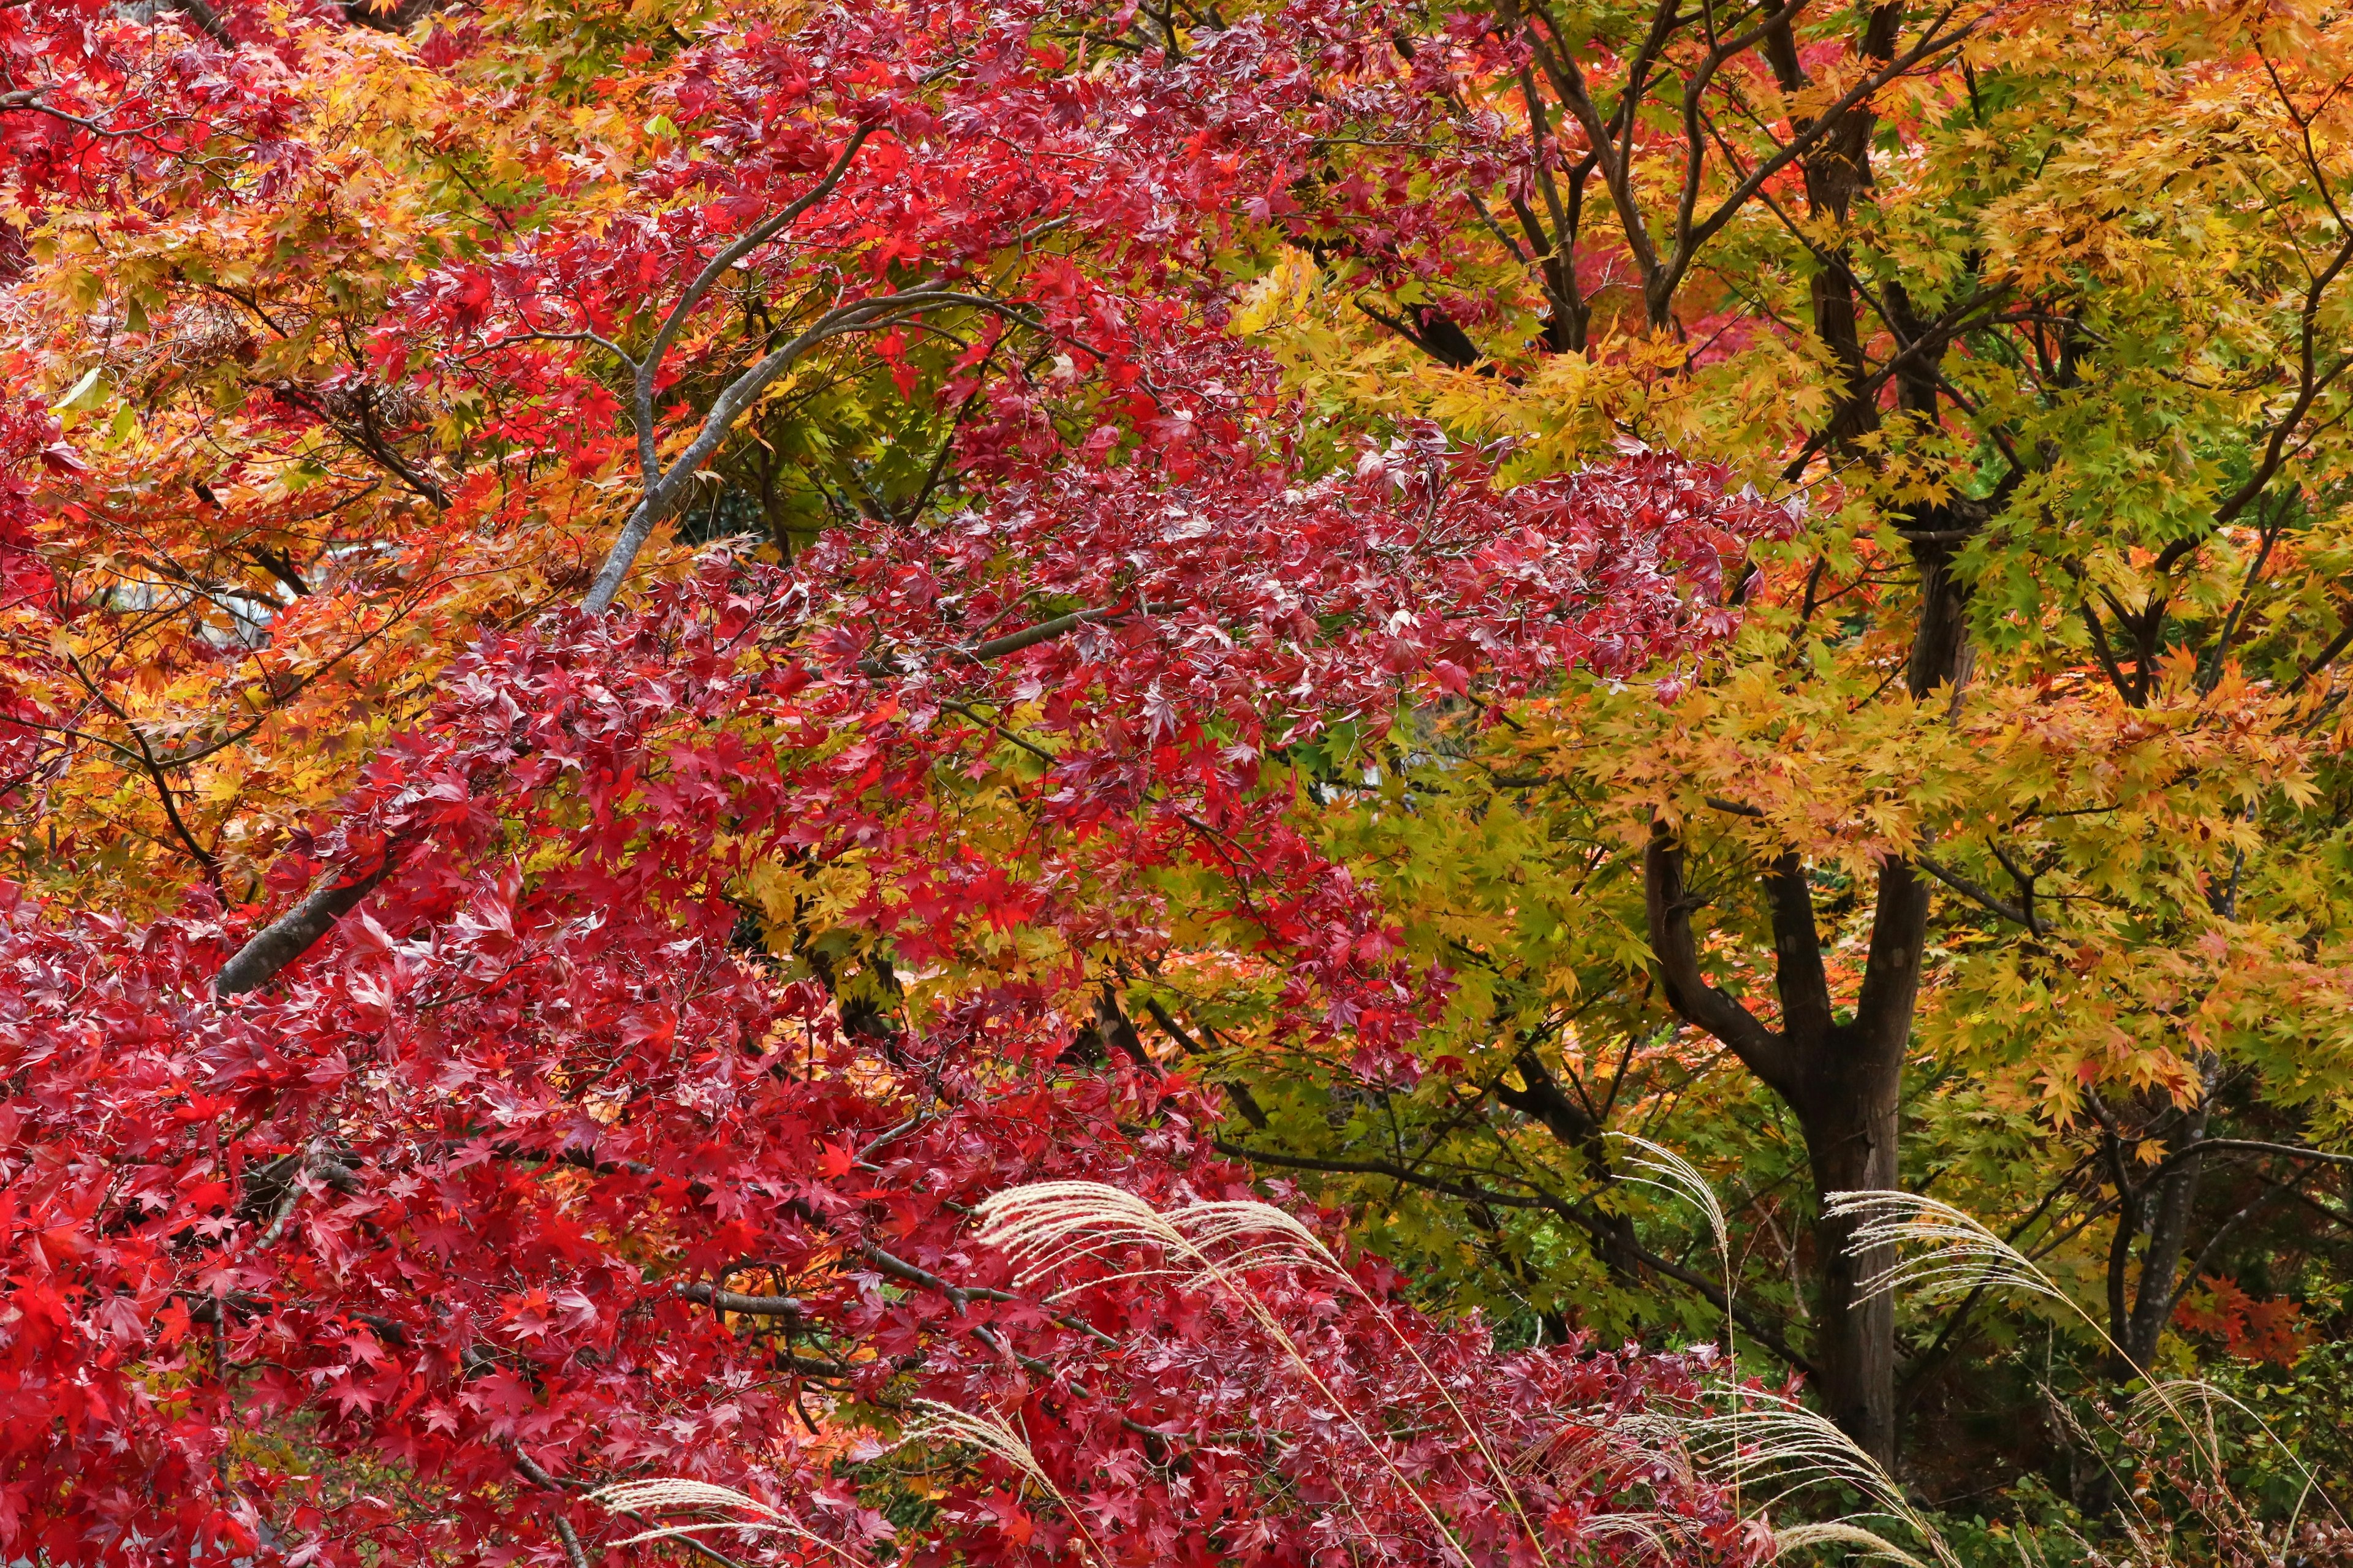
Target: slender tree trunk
{"type": "Point", "coordinates": [2160, 1264]}
{"type": "Point", "coordinates": [1849, 1104]}
{"type": "Point", "coordinates": [1851, 1146]}
{"type": "Point", "coordinates": [1844, 1079]}
{"type": "Point", "coordinates": [2166, 1207]}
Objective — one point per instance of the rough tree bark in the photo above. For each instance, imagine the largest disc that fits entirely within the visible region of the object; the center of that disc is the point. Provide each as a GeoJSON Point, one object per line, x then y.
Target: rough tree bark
{"type": "Point", "coordinates": [1844, 1078]}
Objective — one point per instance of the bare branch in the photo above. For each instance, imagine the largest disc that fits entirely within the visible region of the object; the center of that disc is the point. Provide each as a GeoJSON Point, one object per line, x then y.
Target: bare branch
{"type": "Point", "coordinates": [292, 934]}
{"type": "Point", "coordinates": [1978, 895]}
{"type": "Point", "coordinates": [1764, 1330]}
{"type": "Point", "coordinates": [1696, 1001]}
{"type": "Point", "coordinates": [663, 494]}
{"type": "Point", "coordinates": [649, 366]}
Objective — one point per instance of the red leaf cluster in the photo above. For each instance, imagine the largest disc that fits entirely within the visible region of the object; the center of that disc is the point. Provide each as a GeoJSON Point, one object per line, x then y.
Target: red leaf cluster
{"type": "Point", "coordinates": [538, 1173]}
{"type": "Point", "coordinates": [458, 1199]}
{"type": "Point", "coordinates": [2268, 1330]}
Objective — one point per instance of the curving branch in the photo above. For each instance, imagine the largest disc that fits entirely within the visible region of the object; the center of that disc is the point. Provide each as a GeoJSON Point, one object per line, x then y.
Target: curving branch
{"type": "Point", "coordinates": [541, 1479]}
{"type": "Point", "coordinates": [1667, 903]}
{"type": "Point", "coordinates": [663, 493]}
{"type": "Point", "coordinates": [1763, 1330]}
{"type": "Point", "coordinates": [2018, 914]}
{"type": "Point", "coordinates": [646, 368]}
{"type": "Point", "coordinates": [711, 1296]}
{"type": "Point", "coordinates": [292, 934]}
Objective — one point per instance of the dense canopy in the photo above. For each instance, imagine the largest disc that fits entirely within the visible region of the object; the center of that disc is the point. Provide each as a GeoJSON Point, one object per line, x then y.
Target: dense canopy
{"type": "Point", "coordinates": [1327, 783]}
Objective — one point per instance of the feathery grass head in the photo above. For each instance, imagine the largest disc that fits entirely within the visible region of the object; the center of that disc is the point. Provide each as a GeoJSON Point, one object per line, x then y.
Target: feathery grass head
{"type": "Point", "coordinates": [1840, 1532]}
{"type": "Point", "coordinates": [2174, 1395]}
{"type": "Point", "coordinates": [675, 1495]}
{"type": "Point", "coordinates": [1773, 1439]}
{"type": "Point", "coordinates": [1574, 1454]}
{"type": "Point", "coordinates": [1048, 1226]}
{"type": "Point", "coordinates": [1940, 1251]}
{"type": "Point", "coordinates": [1652, 1530]}
{"type": "Point", "coordinates": [1774, 1442]}
{"type": "Point", "coordinates": [994, 1435]}
{"type": "Point", "coordinates": [988, 1432]}
{"type": "Point", "coordinates": [2175, 1398]}
{"type": "Point", "coordinates": [1670, 1172]}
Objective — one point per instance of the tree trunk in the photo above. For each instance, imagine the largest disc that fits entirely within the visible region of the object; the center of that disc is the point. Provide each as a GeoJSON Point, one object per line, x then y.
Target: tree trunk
{"type": "Point", "coordinates": [1845, 1079]}
{"type": "Point", "coordinates": [2168, 1239]}
{"type": "Point", "coordinates": [1850, 1143]}
{"type": "Point", "coordinates": [1847, 1089]}
{"type": "Point", "coordinates": [2165, 1207]}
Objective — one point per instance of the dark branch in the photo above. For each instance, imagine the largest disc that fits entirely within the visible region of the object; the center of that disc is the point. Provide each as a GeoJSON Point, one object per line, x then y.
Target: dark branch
{"type": "Point", "coordinates": [292, 934]}
{"type": "Point", "coordinates": [1761, 1329]}
{"type": "Point", "coordinates": [1668, 904]}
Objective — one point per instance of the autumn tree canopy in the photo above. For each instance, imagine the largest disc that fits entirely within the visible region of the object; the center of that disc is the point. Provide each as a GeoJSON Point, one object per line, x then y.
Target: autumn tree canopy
{"type": "Point", "coordinates": [1041, 783]}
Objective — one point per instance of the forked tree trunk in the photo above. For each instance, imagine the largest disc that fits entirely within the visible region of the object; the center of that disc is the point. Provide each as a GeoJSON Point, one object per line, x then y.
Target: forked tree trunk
{"type": "Point", "coordinates": [1843, 1079]}
{"type": "Point", "coordinates": [1850, 1125]}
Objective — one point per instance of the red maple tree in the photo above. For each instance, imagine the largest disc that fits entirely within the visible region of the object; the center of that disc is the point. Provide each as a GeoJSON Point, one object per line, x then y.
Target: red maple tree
{"type": "Point", "coordinates": [495, 1157]}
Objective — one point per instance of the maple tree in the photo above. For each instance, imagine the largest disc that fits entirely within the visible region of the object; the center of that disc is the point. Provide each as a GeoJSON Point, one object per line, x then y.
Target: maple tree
{"type": "Point", "coordinates": [474, 1035]}
{"type": "Point", "coordinates": [1216, 631]}
{"type": "Point", "coordinates": [566, 1182]}
{"type": "Point", "coordinates": [2020, 782]}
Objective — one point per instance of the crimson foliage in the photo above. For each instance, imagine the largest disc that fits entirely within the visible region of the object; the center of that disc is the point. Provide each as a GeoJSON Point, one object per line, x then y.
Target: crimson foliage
{"type": "Point", "coordinates": [463, 1187]}
{"type": "Point", "coordinates": [541, 1172]}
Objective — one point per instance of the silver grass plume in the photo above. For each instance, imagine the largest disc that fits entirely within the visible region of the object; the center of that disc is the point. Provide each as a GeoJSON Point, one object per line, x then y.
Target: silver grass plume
{"type": "Point", "coordinates": [1670, 1172]}
{"type": "Point", "coordinates": [992, 1435]}
{"type": "Point", "coordinates": [1959, 1254]}
{"type": "Point", "coordinates": [1778, 1442]}
{"type": "Point", "coordinates": [1764, 1439]}
{"type": "Point", "coordinates": [678, 1495]}
{"type": "Point", "coordinates": [1046, 1226]}
{"type": "Point", "coordinates": [2171, 1397]}
{"type": "Point", "coordinates": [1951, 1252]}
{"type": "Point", "coordinates": [1837, 1532]}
